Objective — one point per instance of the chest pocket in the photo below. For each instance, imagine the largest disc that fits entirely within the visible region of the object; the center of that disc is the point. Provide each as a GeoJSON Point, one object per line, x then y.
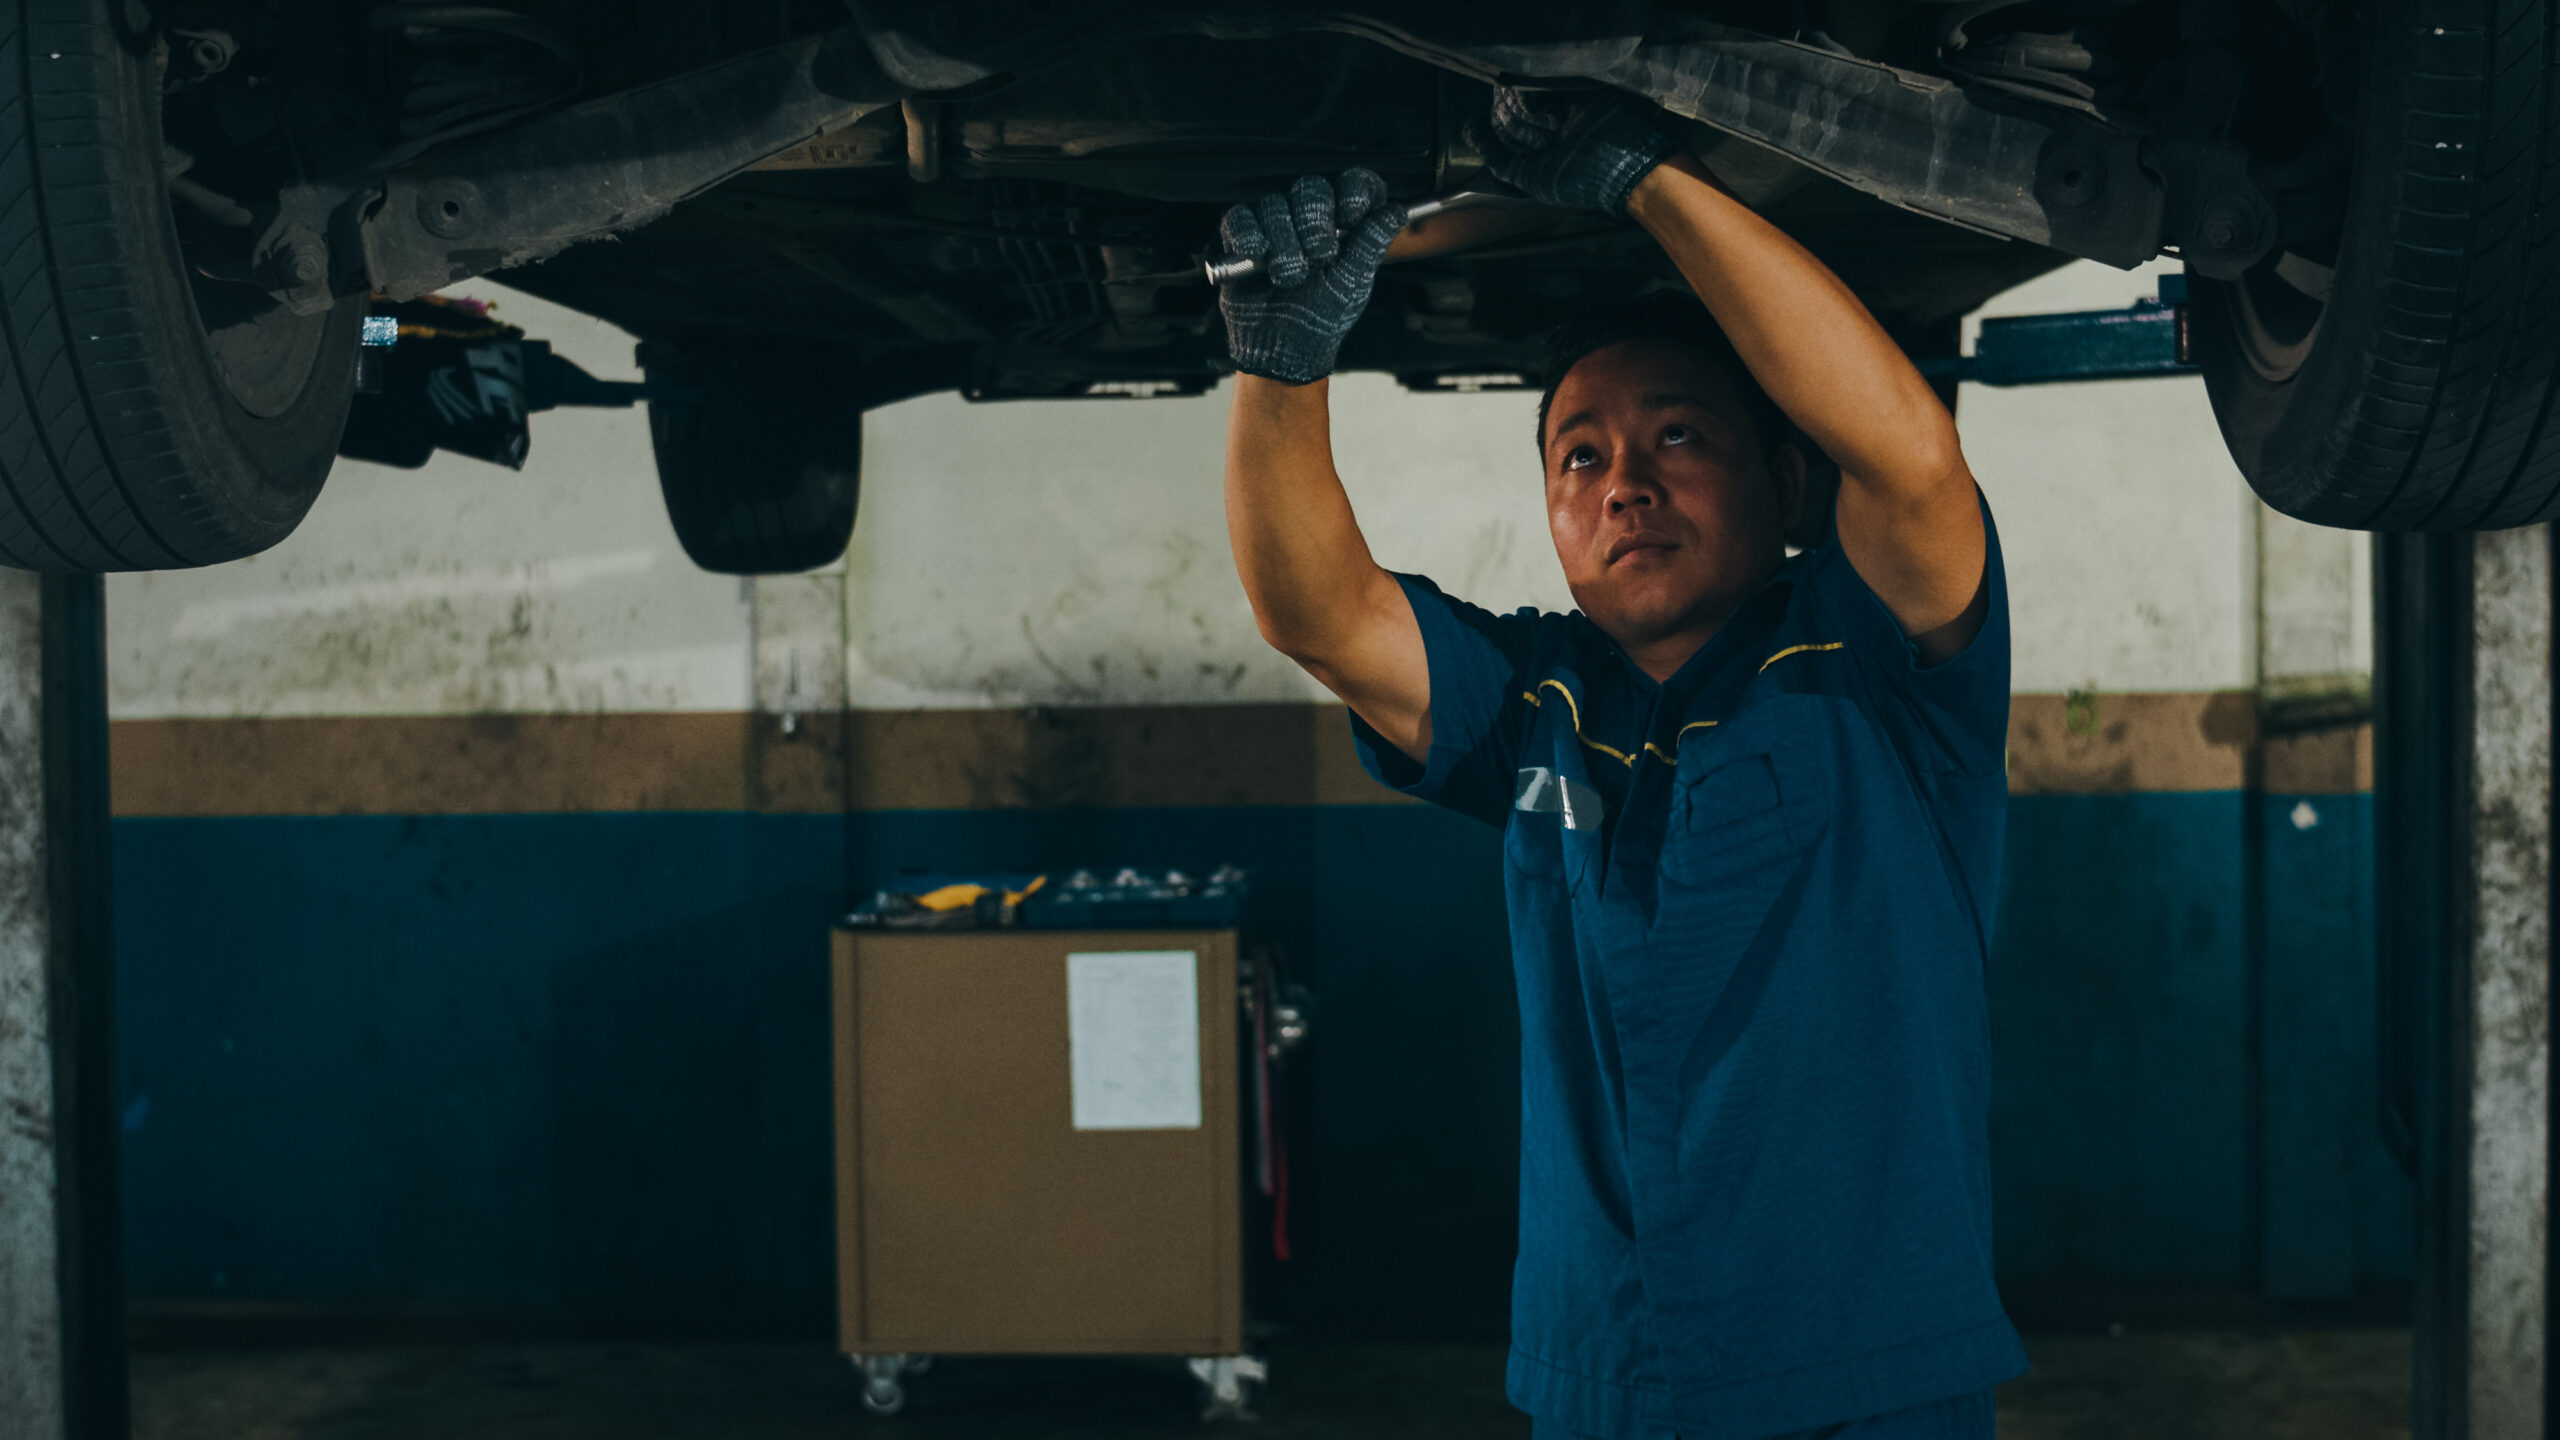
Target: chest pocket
{"type": "Point", "coordinates": [1751, 793]}
{"type": "Point", "coordinates": [1550, 813]}
{"type": "Point", "coordinates": [1556, 813]}
{"type": "Point", "coordinates": [1533, 845]}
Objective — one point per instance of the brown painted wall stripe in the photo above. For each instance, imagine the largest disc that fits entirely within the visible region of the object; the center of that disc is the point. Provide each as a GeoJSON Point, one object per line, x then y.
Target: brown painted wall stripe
{"type": "Point", "coordinates": [1136, 756]}
{"type": "Point", "coordinates": [901, 760]}
{"type": "Point", "coordinates": [1243, 755]}
{"type": "Point", "coordinates": [2100, 744]}
{"type": "Point", "coordinates": [2107, 744]}
{"type": "Point", "coordinates": [428, 765]}
{"type": "Point", "coordinates": [2318, 762]}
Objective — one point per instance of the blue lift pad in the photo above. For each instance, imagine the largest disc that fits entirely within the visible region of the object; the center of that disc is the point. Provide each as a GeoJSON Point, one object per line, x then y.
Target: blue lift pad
{"type": "Point", "coordinates": [2148, 339]}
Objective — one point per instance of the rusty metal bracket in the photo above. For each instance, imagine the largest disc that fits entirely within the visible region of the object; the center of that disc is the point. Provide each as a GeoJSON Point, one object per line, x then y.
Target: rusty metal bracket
{"type": "Point", "coordinates": [531, 190]}
{"type": "Point", "coordinates": [1967, 156]}
{"type": "Point", "coordinates": [1970, 155]}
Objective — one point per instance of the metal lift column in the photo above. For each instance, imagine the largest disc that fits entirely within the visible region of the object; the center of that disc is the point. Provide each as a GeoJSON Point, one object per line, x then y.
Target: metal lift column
{"type": "Point", "coordinates": [62, 1373]}
{"type": "Point", "coordinates": [2464, 811]}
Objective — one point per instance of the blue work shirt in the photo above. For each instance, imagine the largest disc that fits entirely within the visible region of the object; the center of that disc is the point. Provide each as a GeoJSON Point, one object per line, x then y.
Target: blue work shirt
{"type": "Point", "coordinates": [1749, 916]}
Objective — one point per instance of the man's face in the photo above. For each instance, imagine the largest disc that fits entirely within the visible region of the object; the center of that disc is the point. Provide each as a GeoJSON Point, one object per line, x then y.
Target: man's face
{"type": "Point", "coordinates": [1664, 505]}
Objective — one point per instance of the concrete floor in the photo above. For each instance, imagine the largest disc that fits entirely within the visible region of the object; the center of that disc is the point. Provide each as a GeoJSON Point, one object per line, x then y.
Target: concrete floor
{"type": "Point", "coordinates": [2182, 1385]}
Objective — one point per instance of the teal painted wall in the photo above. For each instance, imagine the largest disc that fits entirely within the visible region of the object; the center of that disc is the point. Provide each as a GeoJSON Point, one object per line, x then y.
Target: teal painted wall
{"type": "Point", "coordinates": [2183, 1031]}
{"type": "Point", "coordinates": [573, 1067]}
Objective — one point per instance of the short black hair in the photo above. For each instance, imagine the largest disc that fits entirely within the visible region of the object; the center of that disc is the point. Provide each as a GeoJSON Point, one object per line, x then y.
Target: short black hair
{"type": "Point", "coordinates": [1675, 316]}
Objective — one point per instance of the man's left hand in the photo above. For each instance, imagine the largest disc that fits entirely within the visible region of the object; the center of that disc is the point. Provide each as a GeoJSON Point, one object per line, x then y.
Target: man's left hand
{"type": "Point", "coordinates": [1575, 152]}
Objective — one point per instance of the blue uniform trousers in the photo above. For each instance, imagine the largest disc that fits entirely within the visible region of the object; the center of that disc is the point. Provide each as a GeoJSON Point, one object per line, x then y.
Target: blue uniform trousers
{"type": "Point", "coordinates": [1965, 1417]}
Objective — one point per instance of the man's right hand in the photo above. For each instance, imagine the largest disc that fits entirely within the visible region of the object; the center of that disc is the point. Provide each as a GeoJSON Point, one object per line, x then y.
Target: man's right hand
{"type": "Point", "coordinates": [1317, 595]}
{"type": "Point", "coordinates": [1287, 322]}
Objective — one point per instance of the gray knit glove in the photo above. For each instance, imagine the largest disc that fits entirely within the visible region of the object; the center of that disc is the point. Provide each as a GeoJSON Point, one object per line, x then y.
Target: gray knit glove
{"type": "Point", "coordinates": [1582, 152]}
{"type": "Point", "coordinates": [1287, 322]}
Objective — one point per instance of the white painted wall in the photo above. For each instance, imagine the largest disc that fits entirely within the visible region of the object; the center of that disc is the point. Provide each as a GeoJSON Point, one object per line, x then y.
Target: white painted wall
{"type": "Point", "coordinates": [1074, 553]}
{"type": "Point", "coordinates": [456, 588]}
{"type": "Point", "coordinates": [2127, 530]}
{"type": "Point", "coordinates": [2315, 619]}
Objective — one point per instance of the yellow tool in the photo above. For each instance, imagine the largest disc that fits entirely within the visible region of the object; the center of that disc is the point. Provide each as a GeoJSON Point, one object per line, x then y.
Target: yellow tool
{"type": "Point", "coordinates": [962, 896]}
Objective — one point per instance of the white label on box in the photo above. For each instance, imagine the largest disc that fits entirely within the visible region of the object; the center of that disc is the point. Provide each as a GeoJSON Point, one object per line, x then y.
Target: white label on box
{"type": "Point", "coordinates": [1133, 1039]}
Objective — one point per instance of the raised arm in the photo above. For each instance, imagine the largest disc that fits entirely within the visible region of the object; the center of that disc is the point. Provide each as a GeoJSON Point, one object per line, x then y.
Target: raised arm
{"type": "Point", "coordinates": [1908, 515]}
{"type": "Point", "coordinates": [1317, 595]}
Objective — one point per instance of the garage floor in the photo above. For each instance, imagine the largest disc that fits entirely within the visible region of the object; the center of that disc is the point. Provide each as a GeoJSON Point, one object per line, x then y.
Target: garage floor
{"type": "Point", "coordinates": [2182, 1385]}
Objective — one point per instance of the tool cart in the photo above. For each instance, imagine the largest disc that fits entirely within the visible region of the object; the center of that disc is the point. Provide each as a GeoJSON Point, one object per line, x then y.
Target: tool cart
{"type": "Point", "coordinates": [1041, 1140]}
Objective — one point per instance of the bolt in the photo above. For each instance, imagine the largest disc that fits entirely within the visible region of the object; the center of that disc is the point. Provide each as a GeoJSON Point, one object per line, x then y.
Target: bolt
{"type": "Point", "coordinates": [448, 207]}
{"type": "Point", "coordinates": [2228, 224]}
{"type": "Point", "coordinates": [295, 259]}
{"type": "Point", "coordinates": [210, 51]}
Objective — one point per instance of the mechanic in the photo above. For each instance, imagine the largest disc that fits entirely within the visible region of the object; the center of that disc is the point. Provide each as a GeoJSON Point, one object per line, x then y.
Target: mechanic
{"type": "Point", "coordinates": [1753, 804]}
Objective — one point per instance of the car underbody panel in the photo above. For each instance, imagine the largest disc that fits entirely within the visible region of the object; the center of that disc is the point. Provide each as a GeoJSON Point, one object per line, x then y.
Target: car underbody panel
{"type": "Point", "coordinates": [1006, 199]}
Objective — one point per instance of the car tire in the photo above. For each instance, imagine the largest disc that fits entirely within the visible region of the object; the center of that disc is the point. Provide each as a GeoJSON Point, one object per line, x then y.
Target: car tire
{"type": "Point", "coordinates": [2416, 394]}
{"type": "Point", "coordinates": [759, 452]}
{"type": "Point", "coordinates": [135, 433]}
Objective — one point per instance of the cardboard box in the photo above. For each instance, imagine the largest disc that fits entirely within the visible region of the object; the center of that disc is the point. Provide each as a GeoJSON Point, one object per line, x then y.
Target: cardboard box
{"type": "Point", "coordinates": [973, 1216]}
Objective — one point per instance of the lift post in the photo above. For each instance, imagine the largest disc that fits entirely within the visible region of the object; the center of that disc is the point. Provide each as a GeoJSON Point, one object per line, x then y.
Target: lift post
{"type": "Point", "coordinates": [2463, 823]}
{"type": "Point", "coordinates": [62, 1370]}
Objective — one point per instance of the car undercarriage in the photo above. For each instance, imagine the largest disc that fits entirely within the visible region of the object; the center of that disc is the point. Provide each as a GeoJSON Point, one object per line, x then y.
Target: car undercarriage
{"type": "Point", "coordinates": [1011, 208]}
{"type": "Point", "coordinates": [879, 200]}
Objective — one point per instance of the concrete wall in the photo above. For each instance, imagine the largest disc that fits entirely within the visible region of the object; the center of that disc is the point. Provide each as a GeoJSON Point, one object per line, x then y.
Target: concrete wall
{"type": "Point", "coordinates": [458, 589]}
{"type": "Point", "coordinates": [478, 853]}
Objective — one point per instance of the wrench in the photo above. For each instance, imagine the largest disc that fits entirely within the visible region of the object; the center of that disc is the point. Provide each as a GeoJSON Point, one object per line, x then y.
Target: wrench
{"type": "Point", "coordinates": [1238, 267]}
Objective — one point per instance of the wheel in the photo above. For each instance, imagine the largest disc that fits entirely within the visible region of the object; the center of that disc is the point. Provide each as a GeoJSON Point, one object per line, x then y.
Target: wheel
{"type": "Point", "coordinates": [884, 1397]}
{"type": "Point", "coordinates": [2401, 377]}
{"type": "Point", "coordinates": [759, 451]}
{"type": "Point", "coordinates": [150, 417]}
{"type": "Point", "coordinates": [884, 1390]}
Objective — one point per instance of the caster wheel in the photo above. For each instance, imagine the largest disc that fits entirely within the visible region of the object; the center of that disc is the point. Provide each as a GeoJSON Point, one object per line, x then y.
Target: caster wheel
{"type": "Point", "coordinates": [884, 1397]}
{"type": "Point", "coordinates": [884, 1390]}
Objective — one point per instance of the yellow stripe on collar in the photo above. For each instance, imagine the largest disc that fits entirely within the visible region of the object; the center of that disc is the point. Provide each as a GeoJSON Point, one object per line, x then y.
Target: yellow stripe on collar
{"type": "Point", "coordinates": [1799, 650]}
{"type": "Point", "coordinates": [1765, 664]}
{"type": "Point", "coordinates": [1569, 702]}
{"type": "Point", "coordinates": [1622, 757]}
{"type": "Point", "coordinates": [1574, 708]}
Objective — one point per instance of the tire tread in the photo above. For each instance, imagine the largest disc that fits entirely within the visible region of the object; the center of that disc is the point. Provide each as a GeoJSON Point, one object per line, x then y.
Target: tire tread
{"type": "Point", "coordinates": [96, 473]}
{"type": "Point", "coordinates": [759, 462]}
{"type": "Point", "coordinates": [2455, 361]}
